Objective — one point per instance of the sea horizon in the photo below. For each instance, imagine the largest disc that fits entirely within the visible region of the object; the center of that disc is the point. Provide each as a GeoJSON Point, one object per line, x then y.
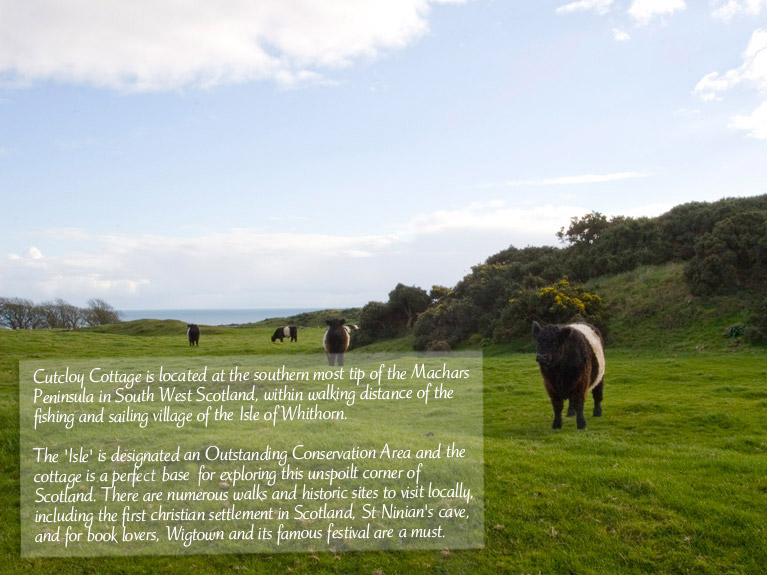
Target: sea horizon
{"type": "Point", "coordinates": [213, 316]}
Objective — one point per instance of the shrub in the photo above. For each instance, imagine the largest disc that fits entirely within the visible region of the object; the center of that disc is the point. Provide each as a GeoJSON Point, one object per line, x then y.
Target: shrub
{"type": "Point", "coordinates": [451, 321]}
{"type": "Point", "coordinates": [562, 302]}
{"type": "Point", "coordinates": [731, 257]}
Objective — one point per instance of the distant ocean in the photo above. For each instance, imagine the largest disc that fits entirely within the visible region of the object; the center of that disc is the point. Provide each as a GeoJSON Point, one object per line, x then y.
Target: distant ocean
{"type": "Point", "coordinates": [212, 316]}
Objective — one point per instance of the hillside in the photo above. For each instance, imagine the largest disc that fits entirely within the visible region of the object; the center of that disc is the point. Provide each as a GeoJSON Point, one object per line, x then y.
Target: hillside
{"type": "Point", "coordinates": [310, 319]}
{"type": "Point", "coordinates": [652, 307]}
{"type": "Point", "coordinates": [681, 279]}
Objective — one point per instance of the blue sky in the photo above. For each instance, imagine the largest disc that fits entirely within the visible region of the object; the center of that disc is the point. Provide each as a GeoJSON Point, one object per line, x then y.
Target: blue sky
{"type": "Point", "coordinates": [165, 154]}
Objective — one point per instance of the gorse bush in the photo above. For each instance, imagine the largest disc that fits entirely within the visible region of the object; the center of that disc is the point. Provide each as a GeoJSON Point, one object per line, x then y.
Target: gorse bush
{"type": "Point", "coordinates": [451, 321]}
{"type": "Point", "coordinates": [562, 302]}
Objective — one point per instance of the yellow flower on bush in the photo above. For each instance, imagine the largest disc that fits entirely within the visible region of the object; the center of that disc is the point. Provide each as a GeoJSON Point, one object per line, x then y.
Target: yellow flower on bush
{"type": "Point", "coordinates": [563, 298]}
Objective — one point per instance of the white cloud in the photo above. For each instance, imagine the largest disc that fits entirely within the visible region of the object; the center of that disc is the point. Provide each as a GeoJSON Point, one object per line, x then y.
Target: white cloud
{"type": "Point", "coordinates": [753, 70]}
{"type": "Point", "coordinates": [644, 11]}
{"type": "Point", "coordinates": [226, 268]}
{"type": "Point", "coordinates": [621, 35]}
{"type": "Point", "coordinates": [728, 9]}
{"type": "Point", "coordinates": [577, 180]}
{"type": "Point", "coordinates": [598, 6]}
{"type": "Point", "coordinates": [166, 44]}
{"type": "Point", "coordinates": [710, 85]}
{"type": "Point", "coordinates": [493, 216]}
{"type": "Point", "coordinates": [755, 123]}
{"type": "Point", "coordinates": [249, 268]}
{"type": "Point", "coordinates": [687, 112]}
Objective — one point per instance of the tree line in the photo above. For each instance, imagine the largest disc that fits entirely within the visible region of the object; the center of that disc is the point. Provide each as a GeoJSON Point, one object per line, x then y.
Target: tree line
{"type": "Point", "coordinates": [18, 313]}
{"type": "Point", "coordinates": [723, 246]}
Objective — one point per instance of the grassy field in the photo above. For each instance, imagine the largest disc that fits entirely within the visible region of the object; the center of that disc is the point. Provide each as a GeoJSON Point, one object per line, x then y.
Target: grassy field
{"type": "Point", "coordinates": [672, 479]}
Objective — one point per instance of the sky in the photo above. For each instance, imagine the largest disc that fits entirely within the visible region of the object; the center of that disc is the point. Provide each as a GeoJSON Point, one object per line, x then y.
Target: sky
{"type": "Point", "coordinates": [315, 153]}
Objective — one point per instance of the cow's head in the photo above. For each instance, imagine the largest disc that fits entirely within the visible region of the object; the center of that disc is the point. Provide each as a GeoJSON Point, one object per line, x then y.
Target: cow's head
{"type": "Point", "coordinates": [335, 323]}
{"type": "Point", "coordinates": [549, 339]}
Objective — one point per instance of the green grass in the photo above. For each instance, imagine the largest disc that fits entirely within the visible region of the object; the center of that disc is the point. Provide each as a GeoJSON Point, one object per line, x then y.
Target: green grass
{"type": "Point", "coordinates": [672, 479]}
{"type": "Point", "coordinates": [652, 307]}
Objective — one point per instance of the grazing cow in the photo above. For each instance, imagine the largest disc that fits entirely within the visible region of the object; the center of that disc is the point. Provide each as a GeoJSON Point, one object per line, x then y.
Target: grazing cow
{"type": "Point", "coordinates": [572, 362]}
{"type": "Point", "coordinates": [193, 333]}
{"type": "Point", "coordinates": [335, 341]}
{"type": "Point", "coordinates": [280, 333]}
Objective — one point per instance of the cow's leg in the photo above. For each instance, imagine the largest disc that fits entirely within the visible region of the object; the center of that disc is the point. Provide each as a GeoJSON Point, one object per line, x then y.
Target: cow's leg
{"type": "Point", "coordinates": [340, 359]}
{"type": "Point", "coordinates": [580, 420]}
{"type": "Point", "coordinates": [558, 404]}
{"type": "Point", "coordinates": [596, 393]}
{"type": "Point", "coordinates": [331, 358]}
{"type": "Point", "coordinates": [570, 408]}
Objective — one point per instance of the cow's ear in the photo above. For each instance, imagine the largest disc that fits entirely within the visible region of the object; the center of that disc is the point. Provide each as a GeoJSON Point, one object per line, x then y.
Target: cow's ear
{"type": "Point", "coordinates": [343, 321]}
{"type": "Point", "coordinates": [536, 329]}
{"type": "Point", "coordinates": [563, 333]}
{"type": "Point", "coordinates": [327, 321]}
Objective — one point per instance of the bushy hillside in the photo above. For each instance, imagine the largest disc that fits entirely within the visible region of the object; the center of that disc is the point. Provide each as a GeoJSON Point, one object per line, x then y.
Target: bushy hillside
{"type": "Point", "coordinates": [652, 306]}
{"type": "Point", "coordinates": [682, 277]}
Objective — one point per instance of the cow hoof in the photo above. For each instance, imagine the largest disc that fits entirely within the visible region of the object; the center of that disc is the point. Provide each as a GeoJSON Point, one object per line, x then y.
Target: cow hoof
{"type": "Point", "coordinates": [571, 412]}
{"type": "Point", "coordinates": [597, 412]}
{"type": "Point", "coordinates": [556, 425]}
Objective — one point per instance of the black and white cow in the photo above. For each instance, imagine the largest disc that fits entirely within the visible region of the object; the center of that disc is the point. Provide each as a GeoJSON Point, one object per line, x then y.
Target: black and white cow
{"type": "Point", "coordinates": [193, 334]}
{"type": "Point", "coordinates": [336, 341]}
{"type": "Point", "coordinates": [572, 361]}
{"type": "Point", "coordinates": [282, 332]}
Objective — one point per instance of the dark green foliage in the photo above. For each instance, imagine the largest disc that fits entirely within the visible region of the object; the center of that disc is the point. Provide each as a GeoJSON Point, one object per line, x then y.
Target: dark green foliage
{"type": "Point", "coordinates": [732, 256]}
{"type": "Point", "coordinates": [756, 330]}
{"type": "Point", "coordinates": [598, 246]}
{"type": "Point", "coordinates": [531, 264]}
{"type": "Point", "coordinates": [683, 225]}
{"type": "Point", "coordinates": [394, 318]}
{"type": "Point", "coordinates": [407, 302]}
{"type": "Point", "coordinates": [451, 321]}
{"type": "Point", "coordinates": [438, 293]}
{"type": "Point", "coordinates": [585, 230]}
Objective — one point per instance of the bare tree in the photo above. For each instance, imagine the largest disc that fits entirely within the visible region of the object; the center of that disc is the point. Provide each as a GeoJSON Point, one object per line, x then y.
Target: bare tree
{"type": "Point", "coordinates": [60, 314]}
{"type": "Point", "coordinates": [70, 316]}
{"type": "Point", "coordinates": [17, 313]}
{"type": "Point", "coordinates": [100, 312]}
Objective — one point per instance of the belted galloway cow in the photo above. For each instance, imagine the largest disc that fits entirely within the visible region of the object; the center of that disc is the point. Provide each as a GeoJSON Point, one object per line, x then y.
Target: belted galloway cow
{"type": "Point", "coordinates": [572, 361]}
{"type": "Point", "coordinates": [193, 333]}
{"type": "Point", "coordinates": [336, 341]}
{"type": "Point", "coordinates": [282, 332]}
